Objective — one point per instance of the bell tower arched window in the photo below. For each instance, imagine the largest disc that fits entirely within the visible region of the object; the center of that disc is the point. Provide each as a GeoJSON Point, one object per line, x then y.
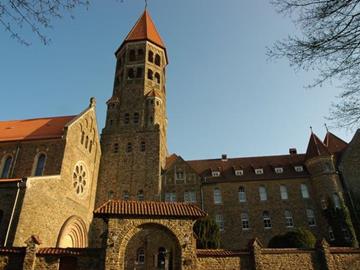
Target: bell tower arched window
{"type": "Point", "coordinates": [157, 60]}
{"type": "Point", "coordinates": [151, 57]}
{"type": "Point", "coordinates": [157, 77]}
{"type": "Point", "coordinates": [150, 74]}
{"type": "Point", "coordinates": [6, 167]}
{"type": "Point", "coordinates": [40, 165]}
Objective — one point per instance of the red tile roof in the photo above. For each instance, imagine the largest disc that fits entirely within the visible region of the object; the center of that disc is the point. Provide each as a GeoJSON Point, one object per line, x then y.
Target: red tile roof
{"type": "Point", "coordinates": [316, 147]}
{"type": "Point", "coordinates": [144, 29]}
{"type": "Point", "coordinates": [334, 143]}
{"type": "Point", "coordinates": [33, 129]}
{"type": "Point", "coordinates": [170, 161]}
{"type": "Point", "coordinates": [149, 208]}
{"type": "Point", "coordinates": [220, 253]}
{"type": "Point", "coordinates": [69, 251]}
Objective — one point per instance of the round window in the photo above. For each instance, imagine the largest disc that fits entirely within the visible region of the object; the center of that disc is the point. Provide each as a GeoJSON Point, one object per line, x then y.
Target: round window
{"type": "Point", "coordinates": [80, 178]}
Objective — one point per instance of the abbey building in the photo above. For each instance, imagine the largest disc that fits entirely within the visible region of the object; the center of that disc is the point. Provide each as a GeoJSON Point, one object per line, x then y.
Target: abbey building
{"type": "Point", "coordinates": [70, 199]}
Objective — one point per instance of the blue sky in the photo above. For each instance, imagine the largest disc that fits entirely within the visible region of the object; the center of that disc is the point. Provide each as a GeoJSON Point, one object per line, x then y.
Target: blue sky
{"type": "Point", "coordinates": [223, 94]}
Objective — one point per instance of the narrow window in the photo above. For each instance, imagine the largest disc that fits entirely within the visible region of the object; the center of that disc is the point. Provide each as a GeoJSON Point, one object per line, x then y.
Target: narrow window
{"type": "Point", "coordinates": [131, 74]}
{"type": "Point", "coordinates": [259, 171]}
{"type": "Point", "coordinates": [6, 167]}
{"type": "Point", "coordinates": [245, 221]}
{"type": "Point", "coordinates": [157, 78]}
{"type": "Point", "coordinates": [299, 168]}
{"type": "Point", "coordinates": [125, 195]}
{"type": "Point", "coordinates": [142, 146]}
{"type": "Point", "coordinates": [140, 195]}
{"type": "Point", "coordinates": [304, 191]}
{"type": "Point", "coordinates": [136, 118]}
{"type": "Point", "coordinates": [90, 146]}
{"type": "Point", "coordinates": [219, 219]}
{"type": "Point", "coordinates": [116, 148]}
{"type": "Point", "coordinates": [40, 165]}
{"type": "Point", "coordinates": [242, 194]}
{"type": "Point", "coordinates": [267, 220]}
{"type": "Point", "coordinates": [310, 217]}
{"type": "Point", "coordinates": [157, 60]}
{"type": "Point", "coordinates": [336, 200]}
{"type": "Point", "coordinates": [190, 196]}
{"type": "Point", "coordinates": [346, 233]}
{"type": "Point", "coordinates": [129, 148]}
{"type": "Point", "coordinates": [86, 142]}
{"type": "Point", "coordinates": [126, 118]}
{"type": "Point", "coordinates": [262, 193]}
{"type": "Point", "coordinates": [283, 192]}
{"type": "Point", "coordinates": [161, 258]}
{"type": "Point", "coordinates": [139, 72]}
{"type": "Point", "coordinates": [279, 170]}
{"type": "Point", "coordinates": [82, 137]}
{"type": "Point", "coordinates": [132, 55]}
{"type": "Point", "coordinates": [179, 174]}
{"type": "Point", "coordinates": [170, 197]}
{"type": "Point", "coordinates": [217, 196]}
{"type": "Point", "coordinates": [151, 56]}
{"type": "Point", "coordinates": [150, 74]}
{"type": "Point", "coordinates": [331, 234]}
{"type": "Point", "coordinates": [140, 256]}
{"type": "Point", "coordinates": [289, 222]}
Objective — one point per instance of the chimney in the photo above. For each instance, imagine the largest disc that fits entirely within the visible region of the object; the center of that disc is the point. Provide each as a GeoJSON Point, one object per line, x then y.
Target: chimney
{"type": "Point", "coordinates": [224, 157]}
{"type": "Point", "coordinates": [292, 151]}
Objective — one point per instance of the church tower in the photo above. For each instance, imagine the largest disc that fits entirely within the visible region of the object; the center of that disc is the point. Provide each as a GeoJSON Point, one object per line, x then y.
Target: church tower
{"type": "Point", "coordinates": [133, 141]}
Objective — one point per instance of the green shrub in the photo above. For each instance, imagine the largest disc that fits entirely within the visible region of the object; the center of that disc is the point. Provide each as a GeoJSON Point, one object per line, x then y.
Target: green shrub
{"type": "Point", "coordinates": [299, 238]}
{"type": "Point", "coordinates": [207, 233]}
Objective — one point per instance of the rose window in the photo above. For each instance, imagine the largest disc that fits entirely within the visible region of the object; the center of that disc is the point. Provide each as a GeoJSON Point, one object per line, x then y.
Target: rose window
{"type": "Point", "coordinates": [80, 179]}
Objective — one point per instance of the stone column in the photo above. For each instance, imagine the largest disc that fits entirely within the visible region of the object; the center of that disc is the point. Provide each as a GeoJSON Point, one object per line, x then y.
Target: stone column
{"type": "Point", "coordinates": [30, 255]}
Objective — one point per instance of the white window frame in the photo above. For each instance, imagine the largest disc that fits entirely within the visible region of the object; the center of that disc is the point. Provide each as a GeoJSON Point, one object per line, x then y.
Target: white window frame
{"type": "Point", "coordinates": [284, 195]}
{"type": "Point", "coordinates": [217, 196]}
{"type": "Point", "coordinates": [299, 168]}
{"type": "Point", "coordinates": [331, 234]}
{"type": "Point", "coordinates": [215, 173]}
{"type": "Point", "coordinates": [279, 170]}
{"type": "Point", "coordinates": [170, 197]}
{"type": "Point", "coordinates": [245, 224]}
{"type": "Point", "coordinates": [259, 171]}
{"type": "Point", "coordinates": [304, 191]}
{"type": "Point", "coordinates": [219, 219]}
{"type": "Point", "coordinates": [263, 193]}
{"type": "Point", "coordinates": [289, 221]}
{"type": "Point", "coordinates": [190, 196]}
{"type": "Point", "coordinates": [267, 220]}
{"type": "Point", "coordinates": [311, 217]}
{"type": "Point", "coordinates": [242, 194]}
{"type": "Point", "coordinates": [239, 172]}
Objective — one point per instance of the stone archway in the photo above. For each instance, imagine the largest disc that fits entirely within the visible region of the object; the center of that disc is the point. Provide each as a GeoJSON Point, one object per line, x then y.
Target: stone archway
{"type": "Point", "coordinates": [151, 246]}
{"type": "Point", "coordinates": [73, 233]}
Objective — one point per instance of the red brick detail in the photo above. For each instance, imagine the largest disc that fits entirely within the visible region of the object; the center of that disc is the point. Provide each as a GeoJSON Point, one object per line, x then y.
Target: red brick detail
{"type": "Point", "coordinates": [69, 251]}
{"type": "Point", "coordinates": [220, 253]}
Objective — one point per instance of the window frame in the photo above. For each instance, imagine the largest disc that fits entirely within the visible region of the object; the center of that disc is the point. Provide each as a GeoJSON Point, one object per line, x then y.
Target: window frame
{"type": "Point", "coordinates": [284, 195]}
{"type": "Point", "coordinates": [305, 194]}
{"type": "Point", "coordinates": [242, 194]}
{"type": "Point", "coordinates": [36, 164]}
{"type": "Point", "coordinates": [217, 196]}
{"type": "Point", "coordinates": [263, 194]}
{"type": "Point", "coordinates": [7, 166]}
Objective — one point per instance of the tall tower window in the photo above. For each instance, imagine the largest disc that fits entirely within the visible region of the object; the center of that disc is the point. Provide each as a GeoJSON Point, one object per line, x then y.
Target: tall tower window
{"type": "Point", "coordinates": [131, 74]}
{"type": "Point", "coordinates": [150, 74]}
{"type": "Point", "coordinates": [126, 118]}
{"type": "Point", "coordinates": [6, 167]}
{"type": "Point", "coordinates": [151, 57]}
{"type": "Point", "coordinates": [142, 146]}
{"type": "Point", "coordinates": [157, 77]}
{"type": "Point", "coordinates": [139, 72]}
{"type": "Point", "coordinates": [129, 148]}
{"type": "Point", "coordinates": [82, 137]}
{"type": "Point", "coordinates": [132, 55]}
{"type": "Point", "coordinates": [157, 60]}
{"type": "Point", "coordinates": [40, 165]}
{"type": "Point", "coordinates": [136, 118]}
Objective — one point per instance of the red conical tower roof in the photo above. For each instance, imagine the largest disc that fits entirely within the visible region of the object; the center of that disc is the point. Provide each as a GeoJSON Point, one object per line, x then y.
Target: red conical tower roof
{"type": "Point", "coordinates": [144, 29]}
{"type": "Point", "coordinates": [334, 143]}
{"type": "Point", "coordinates": [316, 147]}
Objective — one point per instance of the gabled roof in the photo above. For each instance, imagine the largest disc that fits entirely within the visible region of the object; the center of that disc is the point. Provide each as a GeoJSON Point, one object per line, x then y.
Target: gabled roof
{"type": "Point", "coordinates": [34, 129]}
{"type": "Point", "coordinates": [316, 147]}
{"type": "Point", "coordinates": [148, 209]}
{"type": "Point", "coordinates": [334, 143]}
{"type": "Point", "coordinates": [170, 161]}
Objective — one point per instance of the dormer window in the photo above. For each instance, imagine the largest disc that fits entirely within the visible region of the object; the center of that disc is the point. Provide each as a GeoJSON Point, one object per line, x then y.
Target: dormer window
{"type": "Point", "coordinates": [259, 171]}
{"type": "Point", "coordinates": [215, 173]}
{"type": "Point", "coordinates": [239, 172]}
{"type": "Point", "coordinates": [299, 168]}
{"type": "Point", "coordinates": [279, 170]}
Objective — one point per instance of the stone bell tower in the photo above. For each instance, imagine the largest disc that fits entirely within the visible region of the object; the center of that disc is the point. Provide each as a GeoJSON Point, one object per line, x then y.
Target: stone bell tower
{"type": "Point", "coordinates": [133, 141]}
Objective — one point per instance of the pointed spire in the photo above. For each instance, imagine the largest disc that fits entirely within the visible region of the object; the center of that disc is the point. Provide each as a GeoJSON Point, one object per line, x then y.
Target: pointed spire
{"type": "Point", "coordinates": [316, 147]}
{"type": "Point", "coordinates": [334, 143]}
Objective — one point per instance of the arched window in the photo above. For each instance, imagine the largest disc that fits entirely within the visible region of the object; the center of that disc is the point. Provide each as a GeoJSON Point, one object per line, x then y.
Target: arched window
{"type": "Point", "coordinates": [136, 118]}
{"type": "Point", "coordinates": [132, 55]}
{"type": "Point", "coordinates": [242, 194]}
{"type": "Point", "coordinates": [310, 217]}
{"type": "Point", "coordinates": [157, 60]}
{"type": "Point", "coordinates": [245, 221]}
{"type": "Point", "coordinates": [140, 195]}
{"type": "Point", "coordinates": [140, 256]}
{"type": "Point", "coordinates": [131, 74]}
{"type": "Point", "coordinates": [40, 165]}
{"type": "Point", "coordinates": [129, 148]}
{"type": "Point", "coordinates": [142, 146]}
{"type": "Point", "coordinates": [262, 193]}
{"type": "Point", "coordinates": [82, 137]}
{"type": "Point", "coordinates": [267, 220]}
{"type": "Point", "coordinates": [161, 258]}
{"type": "Point", "coordinates": [139, 72]}
{"type": "Point", "coordinates": [116, 148]}
{"type": "Point", "coordinates": [283, 192]}
{"type": "Point", "coordinates": [151, 56]}
{"type": "Point", "coordinates": [126, 118]}
{"type": "Point", "coordinates": [289, 222]}
{"type": "Point", "coordinates": [86, 142]}
{"type": "Point", "coordinates": [6, 167]}
{"type": "Point", "coordinates": [150, 74]}
{"type": "Point", "coordinates": [217, 196]}
{"type": "Point", "coordinates": [125, 195]}
{"type": "Point", "coordinates": [336, 200]}
{"type": "Point", "coordinates": [304, 191]}
{"type": "Point", "coordinates": [157, 77]}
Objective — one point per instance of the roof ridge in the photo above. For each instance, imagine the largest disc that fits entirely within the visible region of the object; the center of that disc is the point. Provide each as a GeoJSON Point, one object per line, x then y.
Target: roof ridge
{"type": "Point", "coordinates": [38, 118]}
